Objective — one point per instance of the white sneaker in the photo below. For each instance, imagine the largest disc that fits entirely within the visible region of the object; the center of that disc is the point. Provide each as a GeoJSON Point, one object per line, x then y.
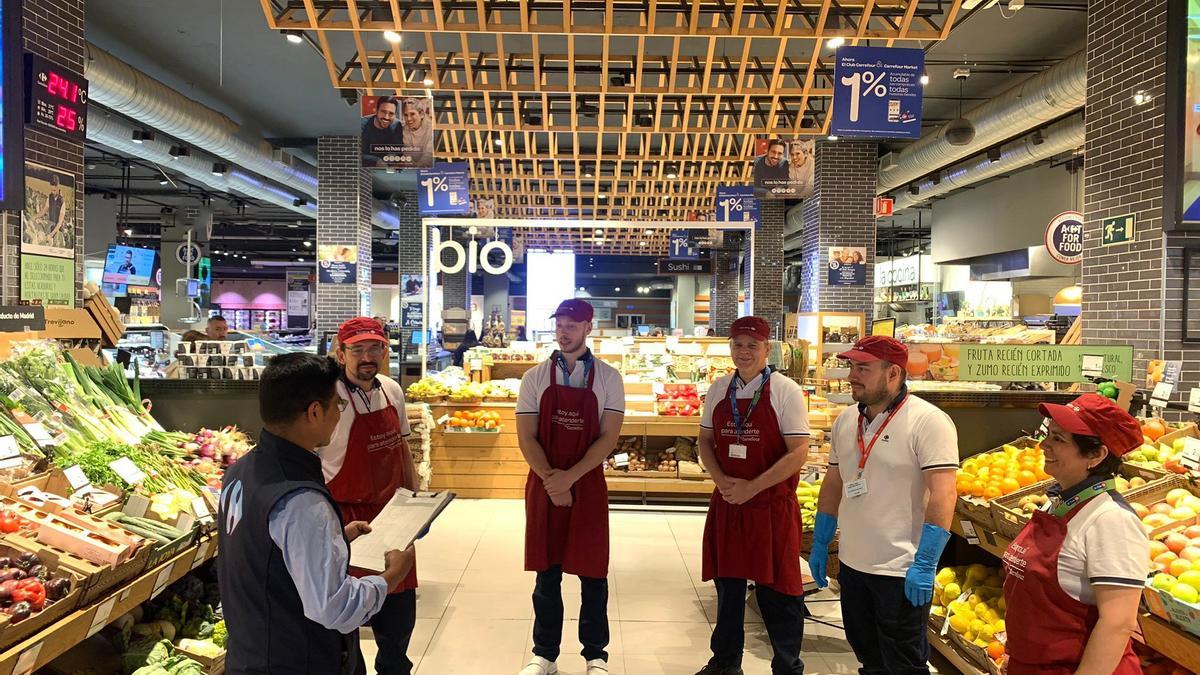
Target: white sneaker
{"type": "Point", "coordinates": [540, 666]}
{"type": "Point", "coordinates": [597, 667]}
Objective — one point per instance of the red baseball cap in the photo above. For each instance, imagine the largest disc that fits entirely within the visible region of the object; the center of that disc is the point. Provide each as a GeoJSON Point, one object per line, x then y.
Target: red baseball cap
{"type": "Point", "coordinates": [576, 310]}
{"type": "Point", "coordinates": [753, 326]}
{"type": "Point", "coordinates": [361, 329]}
{"type": "Point", "coordinates": [1095, 415]}
{"type": "Point", "coordinates": [878, 348]}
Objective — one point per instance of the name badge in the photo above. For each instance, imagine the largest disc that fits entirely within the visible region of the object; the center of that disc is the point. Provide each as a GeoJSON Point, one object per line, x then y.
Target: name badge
{"type": "Point", "coordinates": [856, 488]}
{"type": "Point", "coordinates": [737, 451]}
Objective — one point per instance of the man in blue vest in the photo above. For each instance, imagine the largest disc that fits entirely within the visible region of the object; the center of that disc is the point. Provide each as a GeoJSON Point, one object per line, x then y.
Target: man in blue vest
{"type": "Point", "coordinates": [289, 603]}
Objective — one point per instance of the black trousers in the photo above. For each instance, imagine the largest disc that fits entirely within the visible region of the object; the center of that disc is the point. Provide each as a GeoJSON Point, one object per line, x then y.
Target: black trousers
{"type": "Point", "coordinates": [782, 614]}
{"type": "Point", "coordinates": [886, 632]}
{"type": "Point", "coordinates": [548, 615]}
{"type": "Point", "coordinates": [393, 628]}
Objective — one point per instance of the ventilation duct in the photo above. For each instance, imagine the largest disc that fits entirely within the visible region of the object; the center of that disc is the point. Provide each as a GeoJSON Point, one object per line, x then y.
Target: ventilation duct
{"type": "Point", "coordinates": [117, 134]}
{"type": "Point", "coordinates": [1062, 136]}
{"type": "Point", "coordinates": [1032, 103]}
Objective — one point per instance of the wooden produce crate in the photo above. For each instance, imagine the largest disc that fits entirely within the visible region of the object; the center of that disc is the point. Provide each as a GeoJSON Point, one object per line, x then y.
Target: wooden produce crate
{"type": "Point", "coordinates": [212, 665]}
{"type": "Point", "coordinates": [1171, 609]}
{"type": "Point", "coordinates": [975, 654]}
{"type": "Point", "coordinates": [979, 510]}
{"type": "Point", "coordinates": [55, 482]}
{"type": "Point", "coordinates": [1007, 518]}
{"type": "Point", "coordinates": [97, 578]}
{"type": "Point", "coordinates": [12, 632]}
{"type": "Point", "coordinates": [1147, 473]}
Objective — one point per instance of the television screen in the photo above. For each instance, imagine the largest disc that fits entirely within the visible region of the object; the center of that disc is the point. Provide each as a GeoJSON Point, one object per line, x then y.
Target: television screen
{"type": "Point", "coordinates": [129, 265]}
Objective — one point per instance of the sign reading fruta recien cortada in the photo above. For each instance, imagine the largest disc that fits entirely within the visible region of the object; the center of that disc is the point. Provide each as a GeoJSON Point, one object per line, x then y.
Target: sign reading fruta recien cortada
{"type": "Point", "coordinates": [473, 257]}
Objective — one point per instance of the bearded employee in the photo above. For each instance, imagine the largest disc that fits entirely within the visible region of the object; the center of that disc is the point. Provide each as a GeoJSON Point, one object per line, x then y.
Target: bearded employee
{"type": "Point", "coordinates": [890, 484]}
{"type": "Point", "coordinates": [365, 462]}
{"type": "Point", "coordinates": [754, 441]}
{"type": "Point", "coordinates": [569, 415]}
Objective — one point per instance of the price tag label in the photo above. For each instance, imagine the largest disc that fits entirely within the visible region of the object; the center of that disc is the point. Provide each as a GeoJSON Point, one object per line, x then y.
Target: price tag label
{"type": "Point", "coordinates": [622, 459]}
{"type": "Point", "coordinates": [1194, 400]}
{"type": "Point", "coordinates": [16, 395]}
{"type": "Point", "coordinates": [9, 447]}
{"type": "Point", "coordinates": [60, 439]}
{"type": "Point", "coordinates": [1190, 457]}
{"type": "Point", "coordinates": [1044, 429]}
{"type": "Point", "coordinates": [125, 594]}
{"type": "Point", "coordinates": [476, 364]}
{"type": "Point", "coordinates": [76, 477]}
{"type": "Point", "coordinates": [812, 476]}
{"type": "Point", "coordinates": [1093, 366]}
{"type": "Point", "coordinates": [127, 470]}
{"type": "Point", "coordinates": [1162, 394]}
{"type": "Point", "coordinates": [968, 529]}
{"type": "Point", "coordinates": [38, 433]}
{"type": "Point", "coordinates": [202, 553]}
{"type": "Point", "coordinates": [200, 508]}
{"type": "Point", "coordinates": [161, 581]}
{"type": "Point", "coordinates": [28, 660]}
{"type": "Point", "coordinates": [443, 419]}
{"type": "Point", "coordinates": [100, 620]}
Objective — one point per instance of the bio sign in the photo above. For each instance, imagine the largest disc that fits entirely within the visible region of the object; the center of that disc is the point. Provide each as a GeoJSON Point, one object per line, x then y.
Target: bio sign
{"type": "Point", "coordinates": [1040, 363]}
{"type": "Point", "coordinates": [473, 257]}
{"type": "Point", "coordinates": [1064, 238]}
{"type": "Point", "coordinates": [444, 190]}
{"type": "Point", "coordinates": [877, 92]}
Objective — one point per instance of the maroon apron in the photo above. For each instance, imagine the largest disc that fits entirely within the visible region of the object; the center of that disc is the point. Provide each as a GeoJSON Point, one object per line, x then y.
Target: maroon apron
{"type": "Point", "coordinates": [1047, 628]}
{"type": "Point", "coordinates": [758, 540]}
{"type": "Point", "coordinates": [575, 536]}
{"type": "Point", "coordinates": [374, 468]}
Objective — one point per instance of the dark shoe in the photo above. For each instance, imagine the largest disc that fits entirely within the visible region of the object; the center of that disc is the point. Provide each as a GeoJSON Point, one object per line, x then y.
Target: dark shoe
{"type": "Point", "coordinates": [720, 670]}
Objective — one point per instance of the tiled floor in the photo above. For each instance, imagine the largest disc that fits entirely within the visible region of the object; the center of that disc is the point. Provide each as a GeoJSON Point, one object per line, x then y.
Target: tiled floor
{"type": "Point", "coordinates": [475, 614]}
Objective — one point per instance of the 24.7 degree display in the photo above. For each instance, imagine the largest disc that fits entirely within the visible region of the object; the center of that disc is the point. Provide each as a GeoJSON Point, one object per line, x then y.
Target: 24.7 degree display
{"type": "Point", "coordinates": [57, 98]}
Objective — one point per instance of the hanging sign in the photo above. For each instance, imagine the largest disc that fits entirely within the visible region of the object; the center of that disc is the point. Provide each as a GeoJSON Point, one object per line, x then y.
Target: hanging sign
{"type": "Point", "coordinates": [337, 263]}
{"type": "Point", "coordinates": [736, 203]}
{"type": "Point", "coordinates": [683, 247]}
{"type": "Point", "coordinates": [1064, 238]}
{"type": "Point", "coordinates": [397, 131]}
{"type": "Point", "coordinates": [412, 315]}
{"type": "Point", "coordinates": [884, 207]}
{"type": "Point", "coordinates": [684, 266]}
{"type": "Point", "coordinates": [877, 92]}
{"type": "Point", "coordinates": [1040, 363]}
{"type": "Point", "coordinates": [444, 190]}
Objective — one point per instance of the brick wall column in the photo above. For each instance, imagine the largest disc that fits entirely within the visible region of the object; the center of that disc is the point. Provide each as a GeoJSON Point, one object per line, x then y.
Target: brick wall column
{"type": "Point", "coordinates": [408, 248]}
{"type": "Point", "coordinates": [723, 290]}
{"type": "Point", "coordinates": [764, 287]}
{"type": "Point", "coordinates": [839, 213]}
{"type": "Point", "coordinates": [344, 206]}
{"type": "Point", "coordinates": [52, 29]}
{"type": "Point", "coordinates": [1125, 299]}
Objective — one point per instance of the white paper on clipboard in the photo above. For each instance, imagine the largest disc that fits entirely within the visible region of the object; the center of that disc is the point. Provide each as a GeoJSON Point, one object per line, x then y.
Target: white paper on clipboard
{"type": "Point", "coordinates": [405, 518]}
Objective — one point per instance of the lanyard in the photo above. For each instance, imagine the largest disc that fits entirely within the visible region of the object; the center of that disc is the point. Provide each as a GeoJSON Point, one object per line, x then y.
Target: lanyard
{"type": "Point", "coordinates": [562, 365]}
{"type": "Point", "coordinates": [738, 421]}
{"type": "Point", "coordinates": [1092, 491]}
{"type": "Point", "coordinates": [865, 452]}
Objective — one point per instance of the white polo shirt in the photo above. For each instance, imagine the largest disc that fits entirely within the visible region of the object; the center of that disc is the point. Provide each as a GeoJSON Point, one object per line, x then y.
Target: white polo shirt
{"type": "Point", "coordinates": [880, 531]}
{"type": "Point", "coordinates": [787, 400]}
{"type": "Point", "coordinates": [334, 454]}
{"type": "Point", "coordinates": [607, 384]}
{"type": "Point", "coordinates": [1105, 546]}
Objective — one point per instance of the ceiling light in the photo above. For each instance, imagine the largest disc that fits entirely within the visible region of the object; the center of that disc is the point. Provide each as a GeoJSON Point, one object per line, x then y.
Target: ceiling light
{"type": "Point", "coordinates": [428, 82]}
{"type": "Point", "coordinates": [642, 243]}
{"type": "Point", "coordinates": [599, 230]}
{"type": "Point", "coordinates": [1141, 97]}
{"type": "Point", "coordinates": [128, 232]}
{"type": "Point", "coordinates": [308, 244]}
{"type": "Point", "coordinates": [650, 231]}
{"type": "Point", "coordinates": [219, 169]}
{"type": "Point", "coordinates": [924, 79]}
{"type": "Point", "coordinates": [142, 135]}
{"type": "Point", "coordinates": [293, 36]}
{"type": "Point", "coordinates": [833, 137]}
{"type": "Point", "coordinates": [671, 174]}
{"type": "Point", "coordinates": [583, 288]}
{"type": "Point", "coordinates": [178, 151]}
{"type": "Point", "coordinates": [835, 42]}
{"type": "Point", "coordinates": [391, 36]}
{"type": "Point", "coordinates": [617, 289]}
{"type": "Point", "coordinates": [587, 174]}
{"type": "Point", "coordinates": [299, 259]}
{"type": "Point", "coordinates": [602, 196]}
{"type": "Point", "coordinates": [499, 142]}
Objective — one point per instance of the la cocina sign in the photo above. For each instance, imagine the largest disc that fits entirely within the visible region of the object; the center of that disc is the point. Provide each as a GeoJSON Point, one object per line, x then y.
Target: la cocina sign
{"type": "Point", "coordinates": [473, 257]}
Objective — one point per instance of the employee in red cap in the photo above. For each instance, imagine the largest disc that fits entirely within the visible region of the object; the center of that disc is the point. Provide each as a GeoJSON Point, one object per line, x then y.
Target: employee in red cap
{"type": "Point", "coordinates": [890, 484]}
{"type": "Point", "coordinates": [754, 441]}
{"type": "Point", "coordinates": [366, 461]}
{"type": "Point", "coordinates": [569, 415]}
{"type": "Point", "coordinates": [1075, 573]}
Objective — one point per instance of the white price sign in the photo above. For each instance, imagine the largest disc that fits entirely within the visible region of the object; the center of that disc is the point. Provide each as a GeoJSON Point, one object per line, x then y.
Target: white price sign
{"type": "Point", "coordinates": [1194, 400]}
{"type": "Point", "coordinates": [968, 529]}
{"type": "Point", "coordinates": [1190, 457]}
{"type": "Point", "coordinates": [100, 620]}
{"type": "Point", "coordinates": [9, 447]}
{"type": "Point", "coordinates": [1093, 366]}
{"type": "Point", "coordinates": [127, 470]}
{"type": "Point", "coordinates": [27, 660]}
{"type": "Point", "coordinates": [76, 477]}
{"type": "Point", "coordinates": [1162, 394]}
{"type": "Point", "coordinates": [200, 508]}
{"type": "Point", "coordinates": [621, 459]}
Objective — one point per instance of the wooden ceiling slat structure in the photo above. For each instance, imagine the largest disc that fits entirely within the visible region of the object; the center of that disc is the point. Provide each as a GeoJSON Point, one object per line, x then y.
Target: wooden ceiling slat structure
{"type": "Point", "coordinates": [573, 111]}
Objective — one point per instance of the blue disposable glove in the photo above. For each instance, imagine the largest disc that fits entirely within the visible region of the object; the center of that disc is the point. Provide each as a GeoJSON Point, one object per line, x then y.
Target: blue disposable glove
{"type": "Point", "coordinates": [918, 582]}
{"type": "Point", "coordinates": [818, 560]}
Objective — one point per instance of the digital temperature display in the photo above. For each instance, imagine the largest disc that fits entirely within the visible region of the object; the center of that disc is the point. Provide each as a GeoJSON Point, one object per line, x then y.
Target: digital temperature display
{"type": "Point", "coordinates": [57, 98]}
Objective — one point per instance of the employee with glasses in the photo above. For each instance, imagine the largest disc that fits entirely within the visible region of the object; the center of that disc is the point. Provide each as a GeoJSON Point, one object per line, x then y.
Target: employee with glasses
{"type": "Point", "coordinates": [365, 462]}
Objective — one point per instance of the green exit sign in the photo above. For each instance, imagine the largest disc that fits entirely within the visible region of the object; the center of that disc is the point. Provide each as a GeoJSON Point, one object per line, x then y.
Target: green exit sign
{"type": "Point", "coordinates": [1117, 230]}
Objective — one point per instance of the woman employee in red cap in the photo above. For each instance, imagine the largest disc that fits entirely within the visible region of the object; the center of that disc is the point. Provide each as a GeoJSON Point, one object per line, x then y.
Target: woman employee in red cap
{"type": "Point", "coordinates": [569, 415]}
{"type": "Point", "coordinates": [754, 441]}
{"type": "Point", "coordinates": [1075, 573]}
{"type": "Point", "coordinates": [366, 461]}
